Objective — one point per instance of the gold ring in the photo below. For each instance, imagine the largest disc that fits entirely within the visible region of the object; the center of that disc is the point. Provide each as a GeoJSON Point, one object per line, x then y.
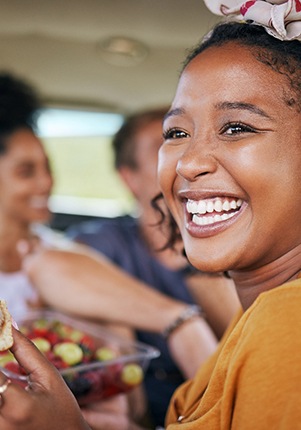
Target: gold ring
{"type": "Point", "coordinates": [4, 386]}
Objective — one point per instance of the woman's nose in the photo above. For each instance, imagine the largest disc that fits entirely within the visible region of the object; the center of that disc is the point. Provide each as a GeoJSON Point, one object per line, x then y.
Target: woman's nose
{"type": "Point", "coordinates": [45, 181]}
{"type": "Point", "coordinates": [196, 161]}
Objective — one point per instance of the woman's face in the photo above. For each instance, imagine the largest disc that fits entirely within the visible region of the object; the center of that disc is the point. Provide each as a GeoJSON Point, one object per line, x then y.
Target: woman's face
{"type": "Point", "coordinates": [25, 179]}
{"type": "Point", "coordinates": [229, 167]}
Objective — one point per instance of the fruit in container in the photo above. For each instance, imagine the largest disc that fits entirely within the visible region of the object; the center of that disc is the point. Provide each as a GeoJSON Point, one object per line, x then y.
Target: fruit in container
{"type": "Point", "coordinates": [131, 374]}
{"type": "Point", "coordinates": [93, 366]}
{"type": "Point", "coordinates": [69, 352]}
{"type": "Point", "coordinates": [8, 362]}
{"type": "Point", "coordinates": [6, 357]}
{"type": "Point", "coordinates": [42, 344]}
{"type": "Point", "coordinates": [105, 353]}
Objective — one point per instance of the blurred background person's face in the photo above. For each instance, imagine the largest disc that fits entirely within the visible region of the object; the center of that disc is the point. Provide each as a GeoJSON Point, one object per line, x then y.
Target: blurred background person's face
{"type": "Point", "coordinates": [143, 180]}
{"type": "Point", "coordinates": [25, 179]}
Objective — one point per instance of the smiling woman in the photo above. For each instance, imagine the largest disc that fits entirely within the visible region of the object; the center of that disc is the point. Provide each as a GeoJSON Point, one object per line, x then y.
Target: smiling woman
{"type": "Point", "coordinates": [25, 186]}
{"type": "Point", "coordinates": [232, 137]}
{"type": "Point", "coordinates": [229, 170]}
{"type": "Point", "coordinates": [227, 158]}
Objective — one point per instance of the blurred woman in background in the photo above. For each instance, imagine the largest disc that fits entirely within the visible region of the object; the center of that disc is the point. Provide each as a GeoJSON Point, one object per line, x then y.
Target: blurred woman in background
{"type": "Point", "coordinates": [25, 187]}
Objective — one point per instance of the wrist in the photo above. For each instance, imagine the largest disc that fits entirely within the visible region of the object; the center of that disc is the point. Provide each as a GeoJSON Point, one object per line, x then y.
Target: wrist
{"type": "Point", "coordinates": [187, 314]}
{"type": "Point", "coordinates": [168, 313]}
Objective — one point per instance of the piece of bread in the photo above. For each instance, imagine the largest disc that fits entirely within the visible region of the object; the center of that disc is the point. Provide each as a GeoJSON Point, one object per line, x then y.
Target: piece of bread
{"type": "Point", "coordinates": [6, 335]}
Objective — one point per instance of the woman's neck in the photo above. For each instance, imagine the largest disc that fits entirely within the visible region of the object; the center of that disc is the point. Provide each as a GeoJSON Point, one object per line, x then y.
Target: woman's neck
{"type": "Point", "coordinates": [249, 284]}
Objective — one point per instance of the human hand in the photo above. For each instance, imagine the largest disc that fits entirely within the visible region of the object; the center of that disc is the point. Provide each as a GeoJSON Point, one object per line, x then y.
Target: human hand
{"type": "Point", "coordinates": [47, 404]}
{"type": "Point", "coordinates": [110, 414]}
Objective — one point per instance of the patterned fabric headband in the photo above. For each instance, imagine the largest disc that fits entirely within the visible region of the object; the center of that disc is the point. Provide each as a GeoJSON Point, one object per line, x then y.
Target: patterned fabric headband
{"type": "Point", "coordinates": [281, 18]}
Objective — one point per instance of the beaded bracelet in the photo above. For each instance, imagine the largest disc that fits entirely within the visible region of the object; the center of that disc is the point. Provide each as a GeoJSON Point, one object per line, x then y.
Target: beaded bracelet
{"type": "Point", "coordinates": [188, 313]}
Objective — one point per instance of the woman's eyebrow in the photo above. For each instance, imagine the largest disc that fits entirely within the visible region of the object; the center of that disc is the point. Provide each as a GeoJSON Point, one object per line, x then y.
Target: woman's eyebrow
{"type": "Point", "coordinates": [174, 112]}
{"type": "Point", "coordinates": [242, 106]}
{"type": "Point", "coordinates": [224, 106]}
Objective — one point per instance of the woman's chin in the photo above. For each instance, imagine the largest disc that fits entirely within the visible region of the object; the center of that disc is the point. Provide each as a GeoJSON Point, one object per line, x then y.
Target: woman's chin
{"type": "Point", "coordinates": [41, 216]}
{"type": "Point", "coordinates": [208, 265]}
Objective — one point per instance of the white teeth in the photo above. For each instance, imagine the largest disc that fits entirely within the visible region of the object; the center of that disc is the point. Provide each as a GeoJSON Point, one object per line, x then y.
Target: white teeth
{"type": "Point", "coordinates": [39, 202]}
{"type": "Point", "coordinates": [226, 206]}
{"type": "Point", "coordinates": [194, 207]}
{"type": "Point", "coordinates": [202, 207]}
{"type": "Point", "coordinates": [201, 220]}
{"type": "Point", "coordinates": [218, 206]}
{"type": "Point", "coordinates": [210, 207]}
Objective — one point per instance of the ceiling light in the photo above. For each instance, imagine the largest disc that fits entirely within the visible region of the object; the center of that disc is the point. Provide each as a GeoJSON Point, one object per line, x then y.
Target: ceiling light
{"type": "Point", "coordinates": [123, 51]}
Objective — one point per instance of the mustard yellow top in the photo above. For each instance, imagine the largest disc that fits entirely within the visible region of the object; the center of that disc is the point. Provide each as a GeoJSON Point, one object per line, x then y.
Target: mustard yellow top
{"type": "Point", "coordinates": [253, 381]}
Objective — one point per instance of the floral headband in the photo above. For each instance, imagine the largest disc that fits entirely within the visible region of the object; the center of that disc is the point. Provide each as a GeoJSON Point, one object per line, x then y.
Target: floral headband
{"type": "Point", "coordinates": [281, 18]}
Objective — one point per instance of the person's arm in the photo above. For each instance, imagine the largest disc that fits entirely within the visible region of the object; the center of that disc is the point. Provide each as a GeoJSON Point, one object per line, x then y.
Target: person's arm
{"type": "Point", "coordinates": [110, 414]}
{"type": "Point", "coordinates": [87, 285]}
{"type": "Point", "coordinates": [217, 296]}
{"type": "Point", "coordinates": [47, 404]}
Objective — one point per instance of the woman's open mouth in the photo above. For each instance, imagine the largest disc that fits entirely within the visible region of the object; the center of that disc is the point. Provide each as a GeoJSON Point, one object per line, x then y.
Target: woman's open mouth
{"type": "Point", "coordinates": [211, 211]}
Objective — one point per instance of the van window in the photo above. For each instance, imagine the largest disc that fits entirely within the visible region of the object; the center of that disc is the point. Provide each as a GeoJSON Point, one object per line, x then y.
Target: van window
{"type": "Point", "coordinates": [79, 147]}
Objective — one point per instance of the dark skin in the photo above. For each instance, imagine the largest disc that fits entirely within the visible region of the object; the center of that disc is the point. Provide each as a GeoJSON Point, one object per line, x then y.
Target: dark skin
{"type": "Point", "coordinates": [33, 409]}
{"type": "Point", "coordinates": [231, 136]}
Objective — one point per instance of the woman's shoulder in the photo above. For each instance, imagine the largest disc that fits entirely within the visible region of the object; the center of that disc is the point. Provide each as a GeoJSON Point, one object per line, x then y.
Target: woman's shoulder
{"type": "Point", "coordinates": [278, 304]}
{"type": "Point", "coordinates": [52, 238]}
{"type": "Point", "coordinates": [273, 322]}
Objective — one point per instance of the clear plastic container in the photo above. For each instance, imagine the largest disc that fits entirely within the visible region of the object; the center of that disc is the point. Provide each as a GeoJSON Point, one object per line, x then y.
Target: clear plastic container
{"type": "Point", "coordinates": [94, 363]}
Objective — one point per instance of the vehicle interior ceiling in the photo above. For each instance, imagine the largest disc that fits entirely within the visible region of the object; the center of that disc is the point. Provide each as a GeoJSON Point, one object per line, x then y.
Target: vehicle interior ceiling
{"type": "Point", "coordinates": [116, 56]}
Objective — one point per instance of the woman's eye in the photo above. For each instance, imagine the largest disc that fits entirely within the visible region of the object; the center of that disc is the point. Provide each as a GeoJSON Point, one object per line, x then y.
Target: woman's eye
{"type": "Point", "coordinates": [174, 134]}
{"type": "Point", "coordinates": [237, 128]}
{"type": "Point", "coordinates": [26, 171]}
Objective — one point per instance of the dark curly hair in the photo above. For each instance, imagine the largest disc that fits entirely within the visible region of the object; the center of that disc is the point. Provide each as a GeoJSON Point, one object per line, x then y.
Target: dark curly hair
{"type": "Point", "coordinates": [282, 56]}
{"type": "Point", "coordinates": [19, 107]}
